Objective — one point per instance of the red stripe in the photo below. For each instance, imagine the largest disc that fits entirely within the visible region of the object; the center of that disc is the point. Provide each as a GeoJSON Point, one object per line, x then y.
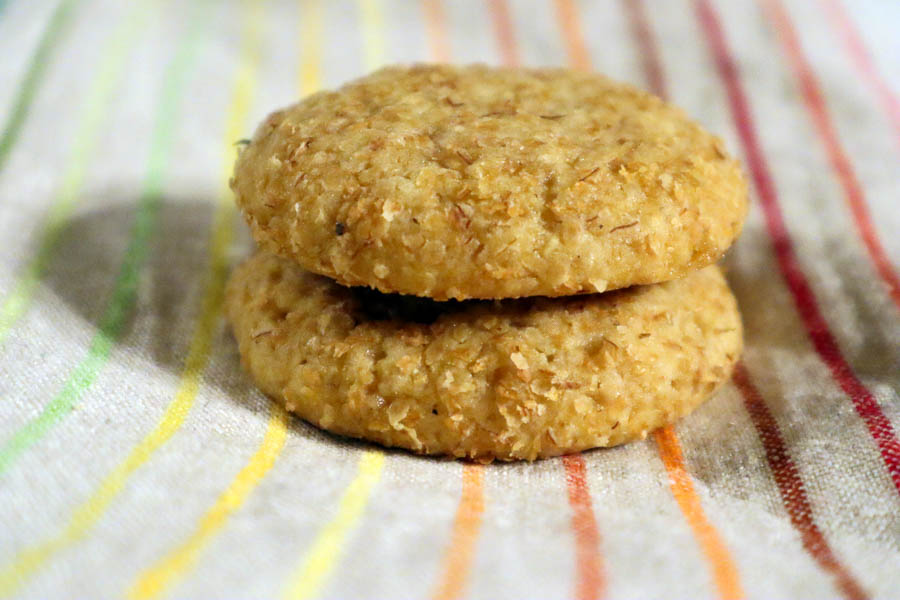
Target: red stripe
{"type": "Point", "coordinates": [787, 478]}
{"type": "Point", "coordinates": [864, 62]}
{"type": "Point", "coordinates": [589, 572]}
{"type": "Point", "coordinates": [649, 53]}
{"type": "Point", "coordinates": [815, 104]}
{"type": "Point", "coordinates": [792, 490]}
{"type": "Point", "coordinates": [590, 579]}
{"type": "Point", "coordinates": [823, 341]}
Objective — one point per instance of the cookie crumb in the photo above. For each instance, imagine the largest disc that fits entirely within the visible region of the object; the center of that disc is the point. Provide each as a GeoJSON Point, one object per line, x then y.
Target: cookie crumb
{"type": "Point", "coordinates": [600, 285]}
{"type": "Point", "coordinates": [519, 360]}
{"type": "Point", "coordinates": [390, 210]}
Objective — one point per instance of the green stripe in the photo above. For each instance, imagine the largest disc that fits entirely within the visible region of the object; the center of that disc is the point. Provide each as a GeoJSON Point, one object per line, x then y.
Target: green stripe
{"type": "Point", "coordinates": [39, 61]}
{"type": "Point", "coordinates": [124, 293]}
{"type": "Point", "coordinates": [95, 107]}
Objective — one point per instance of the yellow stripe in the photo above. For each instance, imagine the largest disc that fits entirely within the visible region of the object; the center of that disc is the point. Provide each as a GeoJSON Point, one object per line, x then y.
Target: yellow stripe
{"type": "Point", "coordinates": [88, 513]}
{"type": "Point", "coordinates": [326, 549]}
{"type": "Point", "coordinates": [154, 581]}
{"type": "Point", "coordinates": [373, 36]}
{"type": "Point", "coordinates": [311, 46]}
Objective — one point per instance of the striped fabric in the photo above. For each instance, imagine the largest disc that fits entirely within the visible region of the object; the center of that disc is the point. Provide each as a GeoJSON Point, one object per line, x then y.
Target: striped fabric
{"type": "Point", "coordinates": [137, 460]}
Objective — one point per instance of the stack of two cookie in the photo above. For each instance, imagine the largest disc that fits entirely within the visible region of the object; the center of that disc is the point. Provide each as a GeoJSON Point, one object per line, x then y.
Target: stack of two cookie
{"type": "Point", "coordinates": [438, 250]}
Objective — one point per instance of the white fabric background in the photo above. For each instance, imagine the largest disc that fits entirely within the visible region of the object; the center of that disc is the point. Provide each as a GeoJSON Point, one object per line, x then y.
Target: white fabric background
{"type": "Point", "coordinates": [526, 547]}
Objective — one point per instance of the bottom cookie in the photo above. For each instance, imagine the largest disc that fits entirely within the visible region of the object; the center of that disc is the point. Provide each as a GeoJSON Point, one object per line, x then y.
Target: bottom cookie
{"type": "Point", "coordinates": [508, 380]}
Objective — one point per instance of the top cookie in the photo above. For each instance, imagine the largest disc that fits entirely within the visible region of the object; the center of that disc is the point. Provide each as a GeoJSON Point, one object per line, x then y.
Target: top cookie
{"type": "Point", "coordinates": [482, 182]}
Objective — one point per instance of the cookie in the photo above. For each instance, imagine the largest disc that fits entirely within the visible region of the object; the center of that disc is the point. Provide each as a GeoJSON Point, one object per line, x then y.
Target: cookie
{"type": "Point", "coordinates": [481, 182]}
{"type": "Point", "coordinates": [512, 379]}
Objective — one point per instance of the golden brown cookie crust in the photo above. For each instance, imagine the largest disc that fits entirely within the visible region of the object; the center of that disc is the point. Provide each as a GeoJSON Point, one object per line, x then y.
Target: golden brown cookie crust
{"type": "Point", "coordinates": [481, 182]}
{"type": "Point", "coordinates": [514, 379]}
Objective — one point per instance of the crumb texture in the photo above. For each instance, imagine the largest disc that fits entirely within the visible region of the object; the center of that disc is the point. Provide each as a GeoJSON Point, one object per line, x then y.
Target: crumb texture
{"type": "Point", "coordinates": [481, 182]}
{"type": "Point", "coordinates": [513, 379]}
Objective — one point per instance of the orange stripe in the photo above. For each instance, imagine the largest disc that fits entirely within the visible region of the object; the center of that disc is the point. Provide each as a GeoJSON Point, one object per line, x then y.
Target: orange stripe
{"type": "Point", "coordinates": [571, 26]}
{"type": "Point", "coordinates": [805, 301]}
{"type": "Point", "coordinates": [503, 28]}
{"type": "Point", "coordinates": [458, 560]}
{"type": "Point", "coordinates": [840, 162]}
{"type": "Point", "coordinates": [787, 477]}
{"type": "Point", "coordinates": [725, 572]}
{"type": "Point", "coordinates": [589, 572]}
{"type": "Point", "coordinates": [590, 581]}
{"type": "Point", "coordinates": [436, 24]}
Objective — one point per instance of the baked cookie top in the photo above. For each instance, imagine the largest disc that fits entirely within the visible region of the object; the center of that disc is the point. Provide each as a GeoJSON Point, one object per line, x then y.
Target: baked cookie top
{"type": "Point", "coordinates": [483, 182]}
{"type": "Point", "coordinates": [511, 379]}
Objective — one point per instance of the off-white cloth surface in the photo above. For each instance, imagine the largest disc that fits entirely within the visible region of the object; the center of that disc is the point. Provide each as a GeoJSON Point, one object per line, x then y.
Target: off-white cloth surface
{"type": "Point", "coordinates": [137, 453]}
